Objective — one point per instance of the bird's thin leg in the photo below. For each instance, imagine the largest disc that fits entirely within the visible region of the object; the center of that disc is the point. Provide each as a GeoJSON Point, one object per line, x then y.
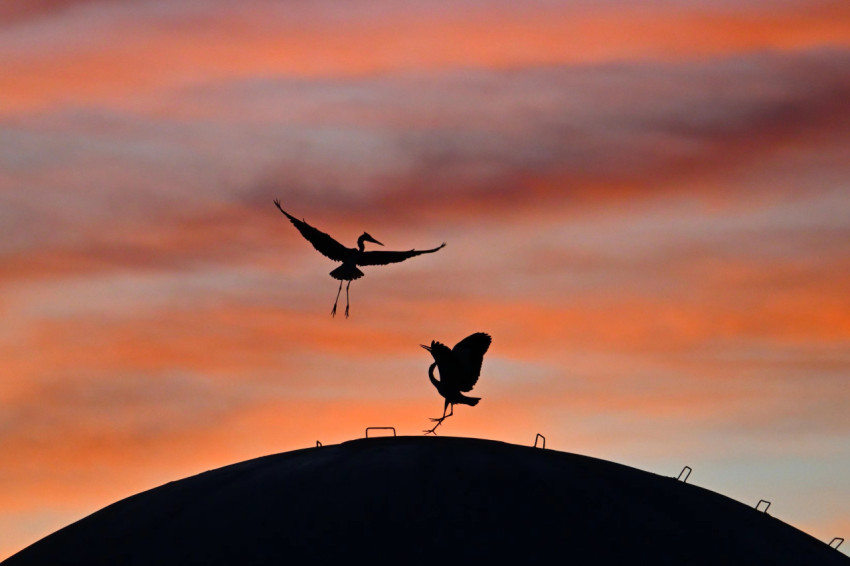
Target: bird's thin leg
{"type": "Point", "coordinates": [438, 421]}
{"type": "Point", "coordinates": [346, 297]}
{"type": "Point", "coordinates": [441, 419]}
{"type": "Point", "coordinates": [445, 408]}
{"type": "Point", "coordinates": [333, 310]}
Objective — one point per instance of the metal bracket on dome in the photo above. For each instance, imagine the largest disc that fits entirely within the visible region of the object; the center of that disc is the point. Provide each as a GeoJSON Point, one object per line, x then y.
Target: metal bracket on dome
{"type": "Point", "coordinates": [318, 443]}
{"type": "Point", "coordinates": [763, 501]}
{"type": "Point", "coordinates": [685, 479]}
{"type": "Point", "coordinates": [839, 539]}
{"type": "Point", "coordinates": [544, 440]}
{"type": "Point", "coordinates": [392, 428]}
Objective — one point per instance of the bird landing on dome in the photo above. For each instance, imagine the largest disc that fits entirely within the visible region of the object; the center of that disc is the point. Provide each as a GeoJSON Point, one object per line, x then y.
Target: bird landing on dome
{"type": "Point", "coordinates": [459, 368]}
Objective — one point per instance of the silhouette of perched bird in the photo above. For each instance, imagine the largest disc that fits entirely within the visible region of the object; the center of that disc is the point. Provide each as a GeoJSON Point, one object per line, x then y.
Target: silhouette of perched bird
{"type": "Point", "coordinates": [459, 370]}
{"type": "Point", "coordinates": [350, 257]}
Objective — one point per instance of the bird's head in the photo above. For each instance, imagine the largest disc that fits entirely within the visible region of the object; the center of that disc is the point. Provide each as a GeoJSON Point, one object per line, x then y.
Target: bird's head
{"type": "Point", "coordinates": [433, 349]}
{"type": "Point", "coordinates": [366, 237]}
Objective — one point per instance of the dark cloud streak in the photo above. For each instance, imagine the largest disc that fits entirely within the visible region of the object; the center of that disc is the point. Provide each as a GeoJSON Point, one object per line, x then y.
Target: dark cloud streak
{"type": "Point", "coordinates": [552, 133]}
{"type": "Point", "coordinates": [196, 182]}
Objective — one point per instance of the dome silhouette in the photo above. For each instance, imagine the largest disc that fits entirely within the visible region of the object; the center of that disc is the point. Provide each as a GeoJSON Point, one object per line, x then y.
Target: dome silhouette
{"type": "Point", "coordinates": [428, 500]}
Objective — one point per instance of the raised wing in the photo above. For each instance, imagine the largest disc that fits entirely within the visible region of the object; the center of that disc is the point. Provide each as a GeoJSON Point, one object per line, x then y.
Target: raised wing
{"type": "Point", "coordinates": [469, 354]}
{"type": "Point", "coordinates": [326, 245]}
{"type": "Point", "coordinates": [383, 258]}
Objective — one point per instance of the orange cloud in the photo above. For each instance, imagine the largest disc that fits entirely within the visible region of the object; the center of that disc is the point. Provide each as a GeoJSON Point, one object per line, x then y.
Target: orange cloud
{"type": "Point", "coordinates": [125, 52]}
{"type": "Point", "coordinates": [657, 247]}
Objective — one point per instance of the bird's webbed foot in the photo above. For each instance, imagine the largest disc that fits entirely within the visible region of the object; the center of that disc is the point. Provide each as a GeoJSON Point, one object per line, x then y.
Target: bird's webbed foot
{"type": "Point", "coordinates": [346, 311]}
{"type": "Point", "coordinates": [433, 430]}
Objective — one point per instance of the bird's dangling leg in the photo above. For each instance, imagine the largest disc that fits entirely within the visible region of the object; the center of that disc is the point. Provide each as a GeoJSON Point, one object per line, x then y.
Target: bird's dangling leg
{"type": "Point", "coordinates": [448, 406]}
{"type": "Point", "coordinates": [445, 408]}
{"type": "Point", "coordinates": [346, 297]}
{"type": "Point", "coordinates": [333, 310]}
{"type": "Point", "coordinates": [439, 421]}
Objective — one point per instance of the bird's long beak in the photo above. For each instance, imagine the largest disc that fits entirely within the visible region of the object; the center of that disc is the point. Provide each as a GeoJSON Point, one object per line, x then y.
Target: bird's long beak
{"type": "Point", "coordinates": [369, 238]}
{"type": "Point", "coordinates": [426, 347]}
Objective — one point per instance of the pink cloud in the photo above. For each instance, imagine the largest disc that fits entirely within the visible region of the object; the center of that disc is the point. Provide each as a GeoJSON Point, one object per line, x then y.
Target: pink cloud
{"type": "Point", "coordinates": [655, 240]}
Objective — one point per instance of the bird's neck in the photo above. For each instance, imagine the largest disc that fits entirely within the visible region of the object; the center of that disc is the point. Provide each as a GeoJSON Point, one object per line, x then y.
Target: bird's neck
{"type": "Point", "coordinates": [431, 374]}
{"type": "Point", "coordinates": [361, 243]}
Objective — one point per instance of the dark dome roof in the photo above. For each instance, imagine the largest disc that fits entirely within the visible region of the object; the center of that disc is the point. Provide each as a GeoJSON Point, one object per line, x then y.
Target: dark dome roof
{"type": "Point", "coordinates": [428, 500]}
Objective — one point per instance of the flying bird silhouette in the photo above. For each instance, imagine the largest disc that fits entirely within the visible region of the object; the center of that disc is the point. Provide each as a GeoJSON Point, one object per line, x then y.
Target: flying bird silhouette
{"type": "Point", "coordinates": [459, 370]}
{"type": "Point", "coordinates": [350, 257]}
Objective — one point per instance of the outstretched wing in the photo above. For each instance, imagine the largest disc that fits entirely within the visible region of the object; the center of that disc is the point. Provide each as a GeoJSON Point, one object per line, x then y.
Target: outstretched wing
{"type": "Point", "coordinates": [383, 258]}
{"type": "Point", "coordinates": [469, 353]}
{"type": "Point", "coordinates": [326, 245]}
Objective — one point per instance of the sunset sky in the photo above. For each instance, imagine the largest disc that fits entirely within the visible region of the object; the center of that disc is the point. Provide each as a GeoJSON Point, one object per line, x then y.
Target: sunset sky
{"type": "Point", "coordinates": [646, 204]}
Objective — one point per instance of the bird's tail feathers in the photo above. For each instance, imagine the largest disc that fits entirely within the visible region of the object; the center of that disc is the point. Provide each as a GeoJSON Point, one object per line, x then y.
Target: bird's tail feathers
{"type": "Point", "coordinates": [346, 273]}
{"type": "Point", "coordinates": [471, 401]}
